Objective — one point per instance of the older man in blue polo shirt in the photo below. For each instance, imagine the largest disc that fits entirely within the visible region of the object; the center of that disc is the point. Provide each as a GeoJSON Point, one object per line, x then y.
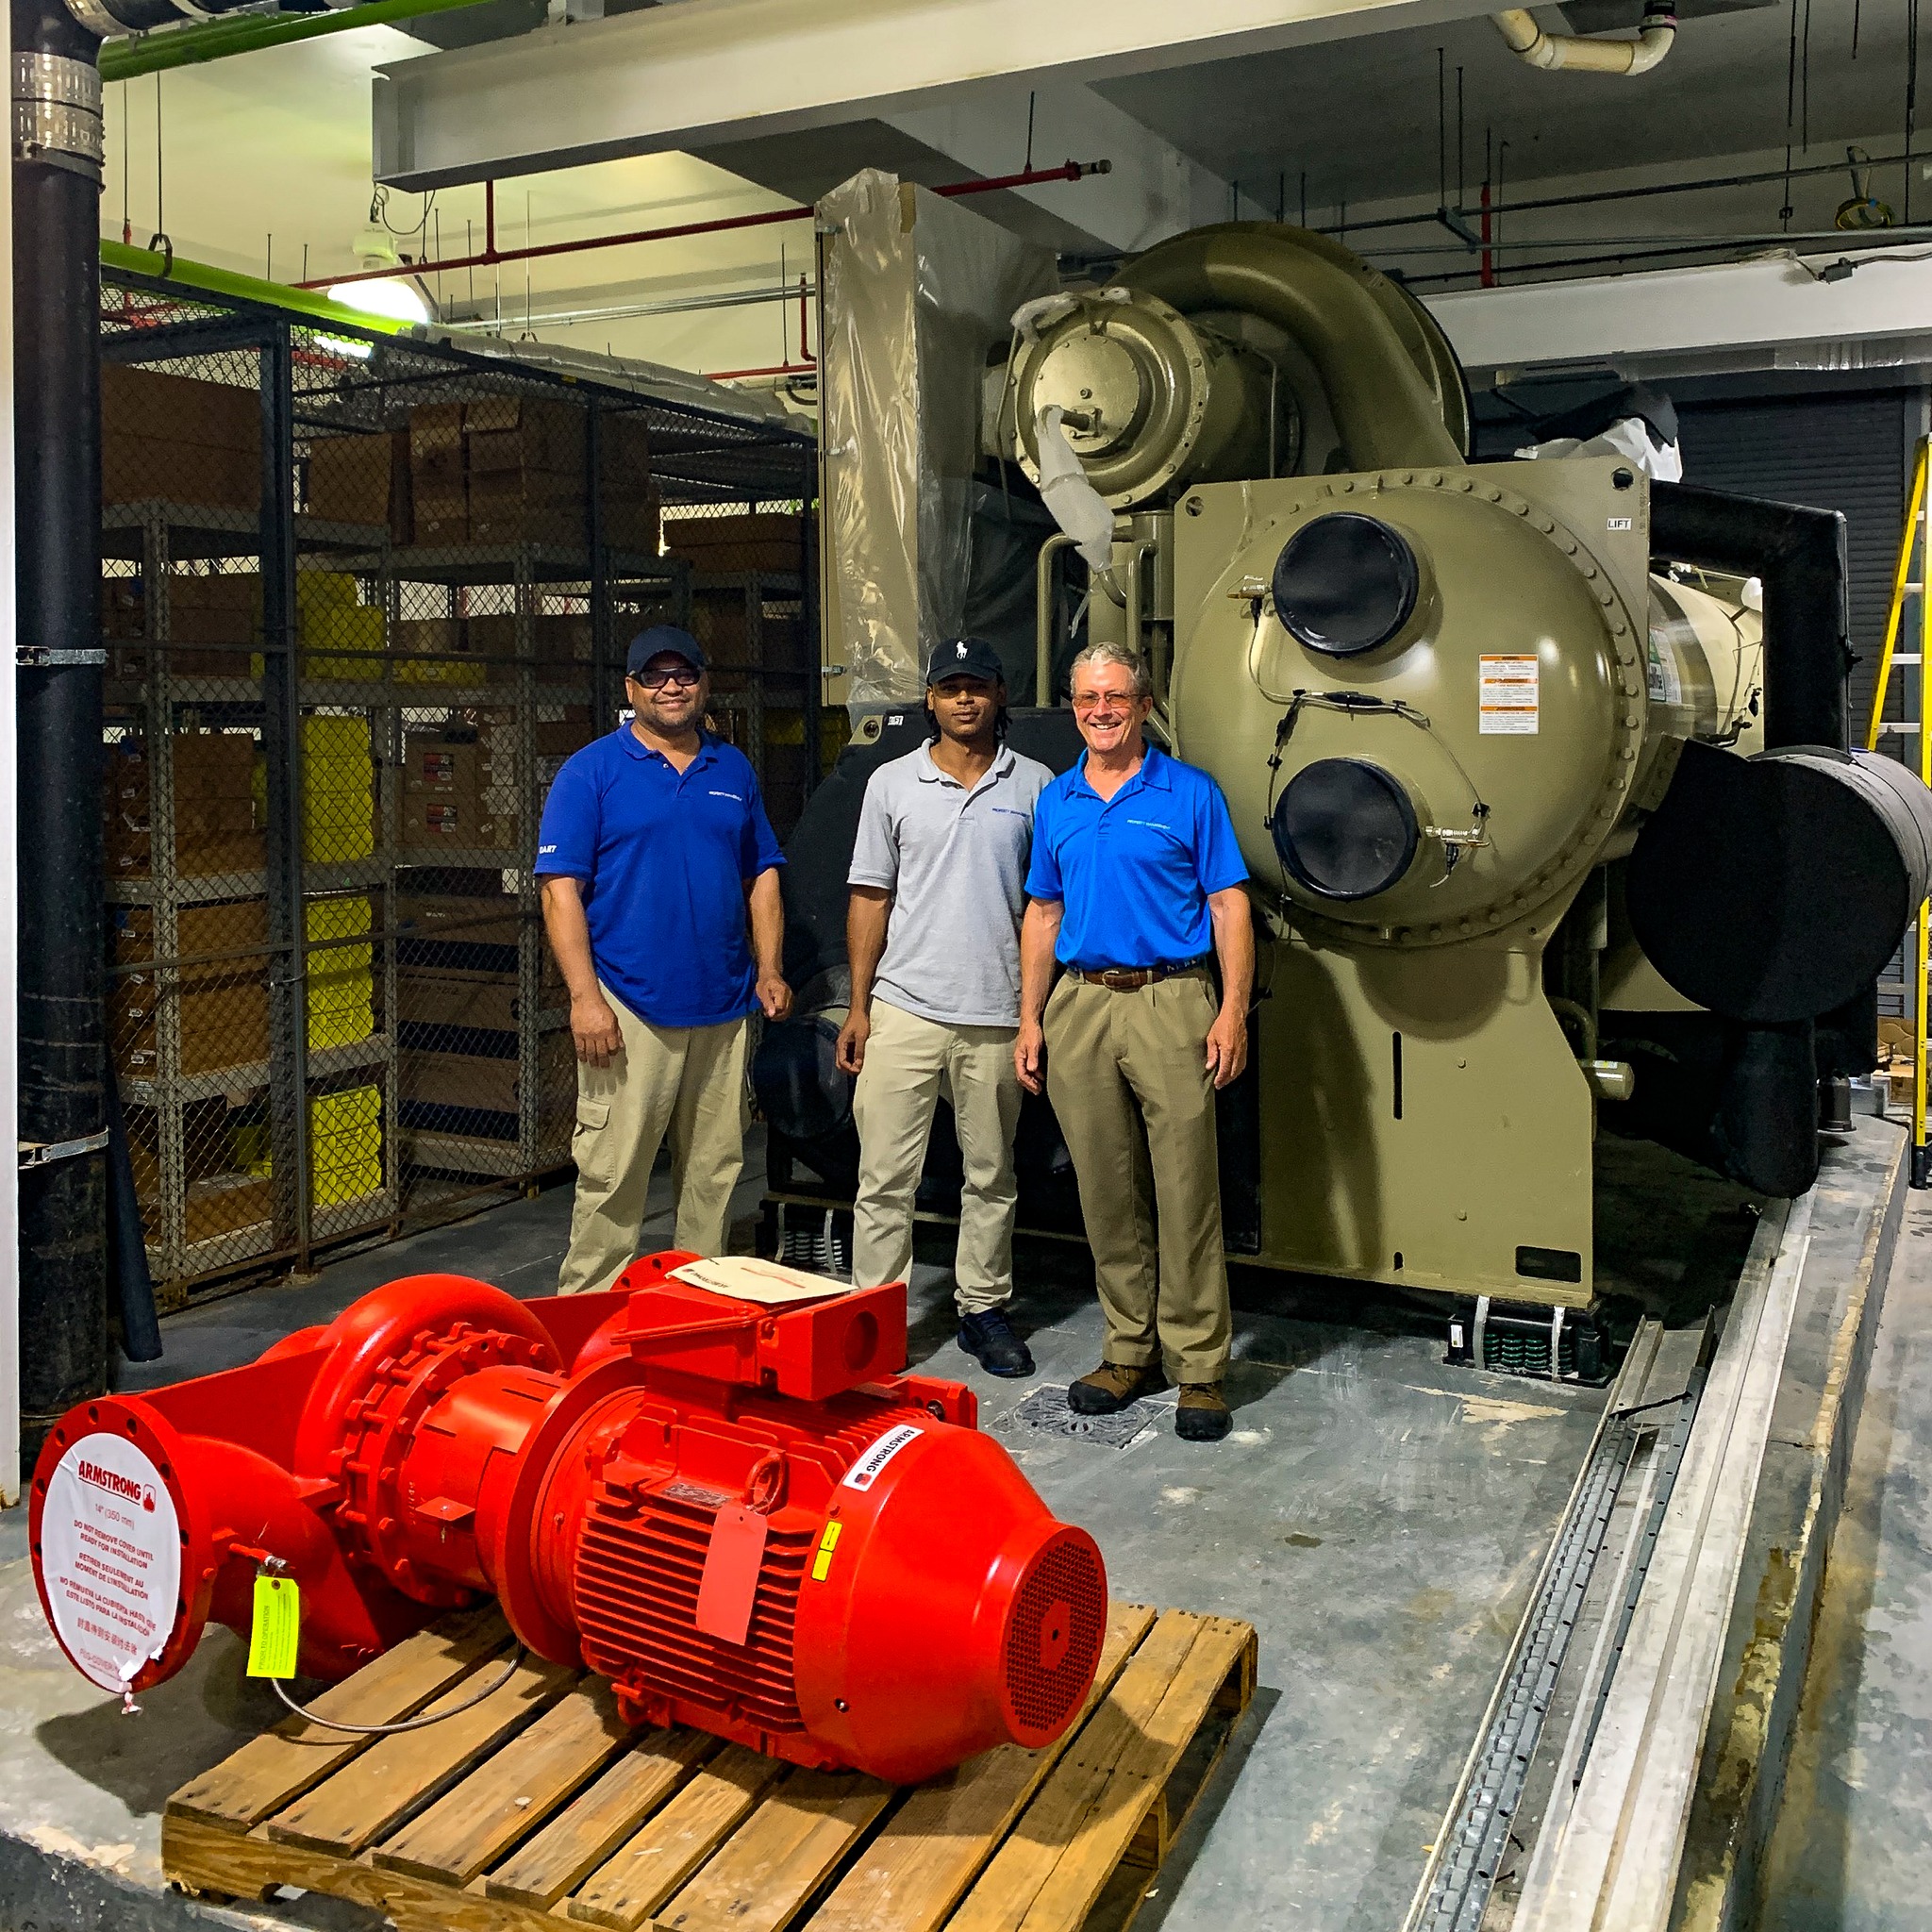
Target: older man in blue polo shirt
{"type": "Point", "coordinates": [1136, 882]}
{"type": "Point", "coordinates": [660, 897]}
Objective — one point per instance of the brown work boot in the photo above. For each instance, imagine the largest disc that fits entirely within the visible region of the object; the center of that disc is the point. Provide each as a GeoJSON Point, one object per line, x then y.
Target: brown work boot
{"type": "Point", "coordinates": [1201, 1416]}
{"type": "Point", "coordinates": [1111, 1387]}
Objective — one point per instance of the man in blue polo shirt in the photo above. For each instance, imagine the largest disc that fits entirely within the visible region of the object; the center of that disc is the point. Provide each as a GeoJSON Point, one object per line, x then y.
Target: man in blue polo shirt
{"type": "Point", "coordinates": [1136, 881]}
{"type": "Point", "coordinates": [656, 857]}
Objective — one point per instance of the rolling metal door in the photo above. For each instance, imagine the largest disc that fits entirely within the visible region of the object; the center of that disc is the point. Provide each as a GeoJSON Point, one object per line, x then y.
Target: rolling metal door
{"type": "Point", "coordinates": [1844, 453]}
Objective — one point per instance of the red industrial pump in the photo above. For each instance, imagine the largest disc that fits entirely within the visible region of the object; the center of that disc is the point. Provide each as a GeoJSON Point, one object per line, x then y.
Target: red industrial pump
{"type": "Point", "coordinates": [737, 1512]}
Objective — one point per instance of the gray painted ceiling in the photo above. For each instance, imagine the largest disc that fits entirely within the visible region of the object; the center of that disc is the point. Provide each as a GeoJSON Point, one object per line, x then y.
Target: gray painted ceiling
{"type": "Point", "coordinates": [1359, 115]}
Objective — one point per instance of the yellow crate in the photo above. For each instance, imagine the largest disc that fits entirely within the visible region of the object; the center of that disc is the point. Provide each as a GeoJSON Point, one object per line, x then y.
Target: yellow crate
{"type": "Point", "coordinates": [317, 589]}
{"type": "Point", "coordinates": [325, 629]}
{"type": "Point", "coordinates": [337, 790]}
{"type": "Point", "coordinates": [345, 1146]}
{"type": "Point", "coordinates": [342, 981]}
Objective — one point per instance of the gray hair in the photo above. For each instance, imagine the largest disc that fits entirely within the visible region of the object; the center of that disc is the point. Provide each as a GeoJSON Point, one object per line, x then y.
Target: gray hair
{"type": "Point", "coordinates": [1108, 652]}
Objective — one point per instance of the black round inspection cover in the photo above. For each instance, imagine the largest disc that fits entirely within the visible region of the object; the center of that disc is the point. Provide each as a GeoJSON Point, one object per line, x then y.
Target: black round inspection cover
{"type": "Point", "coordinates": [1346, 828]}
{"type": "Point", "coordinates": [1346, 583]}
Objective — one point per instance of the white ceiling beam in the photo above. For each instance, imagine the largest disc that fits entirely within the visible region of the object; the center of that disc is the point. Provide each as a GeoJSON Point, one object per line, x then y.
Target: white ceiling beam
{"type": "Point", "coordinates": [708, 72]}
{"type": "Point", "coordinates": [1764, 304]}
{"type": "Point", "coordinates": [1152, 189]}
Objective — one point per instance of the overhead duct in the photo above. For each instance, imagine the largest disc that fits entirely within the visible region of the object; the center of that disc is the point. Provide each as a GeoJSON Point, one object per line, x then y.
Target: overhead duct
{"type": "Point", "coordinates": [1535, 48]}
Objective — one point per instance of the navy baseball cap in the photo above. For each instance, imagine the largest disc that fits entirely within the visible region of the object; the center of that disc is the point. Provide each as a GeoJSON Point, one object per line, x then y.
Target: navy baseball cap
{"type": "Point", "coordinates": [662, 639]}
{"type": "Point", "coordinates": [965, 657]}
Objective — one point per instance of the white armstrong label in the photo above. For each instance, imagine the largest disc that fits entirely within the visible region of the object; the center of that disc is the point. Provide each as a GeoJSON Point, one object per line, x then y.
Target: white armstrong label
{"type": "Point", "coordinates": [870, 1466]}
{"type": "Point", "coordinates": [1507, 697]}
{"type": "Point", "coordinates": [110, 1557]}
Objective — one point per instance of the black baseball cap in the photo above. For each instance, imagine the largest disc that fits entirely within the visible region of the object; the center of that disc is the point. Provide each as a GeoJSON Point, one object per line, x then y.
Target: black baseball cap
{"type": "Point", "coordinates": [965, 657]}
{"type": "Point", "coordinates": [660, 639]}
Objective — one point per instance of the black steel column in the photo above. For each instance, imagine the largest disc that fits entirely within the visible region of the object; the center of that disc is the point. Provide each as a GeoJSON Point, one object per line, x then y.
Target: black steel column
{"type": "Point", "coordinates": [57, 185]}
{"type": "Point", "coordinates": [281, 749]}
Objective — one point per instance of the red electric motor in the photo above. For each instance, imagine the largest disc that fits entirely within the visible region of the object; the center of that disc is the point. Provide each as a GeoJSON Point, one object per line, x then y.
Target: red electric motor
{"type": "Point", "coordinates": [737, 1512]}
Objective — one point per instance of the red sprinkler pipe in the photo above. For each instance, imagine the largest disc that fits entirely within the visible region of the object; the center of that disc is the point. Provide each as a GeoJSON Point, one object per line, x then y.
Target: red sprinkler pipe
{"type": "Point", "coordinates": [493, 257]}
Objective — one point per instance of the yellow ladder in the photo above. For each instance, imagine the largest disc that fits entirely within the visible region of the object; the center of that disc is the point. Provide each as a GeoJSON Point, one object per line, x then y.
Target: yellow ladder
{"type": "Point", "coordinates": [1914, 726]}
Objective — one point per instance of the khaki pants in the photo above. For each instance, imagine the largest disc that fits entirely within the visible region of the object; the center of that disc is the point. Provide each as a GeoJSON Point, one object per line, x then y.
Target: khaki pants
{"type": "Point", "coordinates": [909, 1064]}
{"type": "Point", "coordinates": [1126, 1075]}
{"type": "Point", "coordinates": [685, 1081]}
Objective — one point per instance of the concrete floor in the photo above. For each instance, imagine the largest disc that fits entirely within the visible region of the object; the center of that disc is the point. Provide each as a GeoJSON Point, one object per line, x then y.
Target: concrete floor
{"type": "Point", "coordinates": [1379, 1517]}
{"type": "Point", "coordinates": [1853, 1852]}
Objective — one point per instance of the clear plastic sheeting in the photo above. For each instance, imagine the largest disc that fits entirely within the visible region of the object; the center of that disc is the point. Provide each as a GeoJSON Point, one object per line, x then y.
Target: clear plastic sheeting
{"type": "Point", "coordinates": [918, 296]}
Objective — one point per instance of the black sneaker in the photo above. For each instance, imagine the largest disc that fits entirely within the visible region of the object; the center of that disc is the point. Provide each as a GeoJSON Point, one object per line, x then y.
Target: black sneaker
{"type": "Point", "coordinates": [990, 1337]}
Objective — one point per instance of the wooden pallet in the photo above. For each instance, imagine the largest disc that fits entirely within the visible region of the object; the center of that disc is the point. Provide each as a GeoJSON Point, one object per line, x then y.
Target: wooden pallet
{"type": "Point", "coordinates": [539, 1805]}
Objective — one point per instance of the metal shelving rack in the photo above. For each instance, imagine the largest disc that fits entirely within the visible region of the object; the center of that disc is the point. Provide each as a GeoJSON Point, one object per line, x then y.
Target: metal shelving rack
{"type": "Point", "coordinates": [312, 388]}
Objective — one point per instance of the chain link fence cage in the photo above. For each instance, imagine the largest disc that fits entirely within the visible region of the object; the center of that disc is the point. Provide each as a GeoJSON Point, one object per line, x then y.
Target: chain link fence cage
{"type": "Point", "coordinates": [361, 595]}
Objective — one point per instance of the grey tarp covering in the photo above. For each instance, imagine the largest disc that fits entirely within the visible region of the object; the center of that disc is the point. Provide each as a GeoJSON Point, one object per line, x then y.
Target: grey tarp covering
{"type": "Point", "coordinates": [917, 296]}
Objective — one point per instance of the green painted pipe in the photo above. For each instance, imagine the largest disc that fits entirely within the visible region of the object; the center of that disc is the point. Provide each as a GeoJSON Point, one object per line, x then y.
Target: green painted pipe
{"type": "Point", "coordinates": [223, 281]}
{"type": "Point", "coordinates": [215, 40]}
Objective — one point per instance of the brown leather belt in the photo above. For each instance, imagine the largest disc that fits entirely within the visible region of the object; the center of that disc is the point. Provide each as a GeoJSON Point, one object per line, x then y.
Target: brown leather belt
{"type": "Point", "coordinates": [1131, 978]}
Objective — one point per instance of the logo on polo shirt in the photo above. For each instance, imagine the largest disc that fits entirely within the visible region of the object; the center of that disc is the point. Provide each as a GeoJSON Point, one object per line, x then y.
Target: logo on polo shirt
{"type": "Point", "coordinates": [542, 849]}
{"type": "Point", "coordinates": [733, 796]}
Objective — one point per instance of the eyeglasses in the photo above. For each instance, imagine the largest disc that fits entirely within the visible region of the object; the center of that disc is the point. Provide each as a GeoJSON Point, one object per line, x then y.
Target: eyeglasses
{"type": "Point", "coordinates": [684, 676]}
{"type": "Point", "coordinates": [1102, 703]}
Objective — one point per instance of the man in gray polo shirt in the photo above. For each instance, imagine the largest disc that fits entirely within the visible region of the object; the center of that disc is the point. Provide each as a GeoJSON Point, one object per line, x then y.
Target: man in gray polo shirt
{"type": "Point", "coordinates": [938, 885]}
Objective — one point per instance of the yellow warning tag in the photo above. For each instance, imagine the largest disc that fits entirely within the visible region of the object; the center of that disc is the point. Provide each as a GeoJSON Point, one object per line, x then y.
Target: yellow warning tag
{"type": "Point", "coordinates": [278, 1633]}
{"type": "Point", "coordinates": [822, 1562]}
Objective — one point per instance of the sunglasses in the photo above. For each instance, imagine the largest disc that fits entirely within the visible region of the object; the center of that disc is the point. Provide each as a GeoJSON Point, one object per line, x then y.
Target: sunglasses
{"type": "Point", "coordinates": [683, 675]}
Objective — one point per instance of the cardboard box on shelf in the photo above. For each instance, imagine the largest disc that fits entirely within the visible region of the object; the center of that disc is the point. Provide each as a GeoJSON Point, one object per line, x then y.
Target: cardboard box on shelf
{"type": "Point", "coordinates": [130, 853]}
{"type": "Point", "coordinates": [440, 515]}
{"type": "Point", "coordinates": [479, 1082]}
{"type": "Point", "coordinates": [221, 1205]}
{"type": "Point", "coordinates": [525, 432]}
{"type": "Point", "coordinates": [767, 541]}
{"type": "Point", "coordinates": [454, 764]}
{"type": "Point", "coordinates": [435, 440]}
{"type": "Point", "coordinates": [218, 1026]}
{"type": "Point", "coordinates": [485, 1002]}
{"type": "Point", "coordinates": [182, 409]}
{"type": "Point", "coordinates": [175, 439]}
{"type": "Point", "coordinates": [454, 825]}
{"type": "Point", "coordinates": [557, 738]}
{"type": "Point", "coordinates": [238, 927]}
{"type": "Point", "coordinates": [358, 480]}
{"type": "Point", "coordinates": [454, 932]}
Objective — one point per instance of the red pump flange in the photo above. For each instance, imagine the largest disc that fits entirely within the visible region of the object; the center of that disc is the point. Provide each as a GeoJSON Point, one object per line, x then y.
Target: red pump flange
{"type": "Point", "coordinates": [737, 1513]}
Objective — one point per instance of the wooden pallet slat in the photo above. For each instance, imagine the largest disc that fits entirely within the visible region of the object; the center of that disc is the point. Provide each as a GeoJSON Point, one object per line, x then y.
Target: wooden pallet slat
{"type": "Point", "coordinates": [537, 1808]}
{"type": "Point", "coordinates": [584, 1836]}
{"type": "Point", "coordinates": [510, 1794]}
{"type": "Point", "coordinates": [386, 1784]}
{"type": "Point", "coordinates": [276, 1768]}
{"type": "Point", "coordinates": [775, 1862]}
{"type": "Point", "coordinates": [918, 1868]}
{"type": "Point", "coordinates": [1082, 1785]}
{"type": "Point", "coordinates": [1133, 1790]}
{"type": "Point", "coordinates": [677, 1841]}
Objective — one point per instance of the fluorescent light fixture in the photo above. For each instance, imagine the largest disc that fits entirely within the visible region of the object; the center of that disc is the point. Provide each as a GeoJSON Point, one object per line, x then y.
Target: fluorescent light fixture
{"type": "Point", "coordinates": [395, 300]}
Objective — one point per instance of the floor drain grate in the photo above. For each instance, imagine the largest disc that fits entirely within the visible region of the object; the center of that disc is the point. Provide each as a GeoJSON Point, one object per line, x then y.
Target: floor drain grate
{"type": "Point", "coordinates": [1046, 1410]}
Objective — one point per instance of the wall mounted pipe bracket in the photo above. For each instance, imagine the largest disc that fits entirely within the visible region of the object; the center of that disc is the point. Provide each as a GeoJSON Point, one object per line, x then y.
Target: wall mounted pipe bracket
{"type": "Point", "coordinates": [1535, 48]}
